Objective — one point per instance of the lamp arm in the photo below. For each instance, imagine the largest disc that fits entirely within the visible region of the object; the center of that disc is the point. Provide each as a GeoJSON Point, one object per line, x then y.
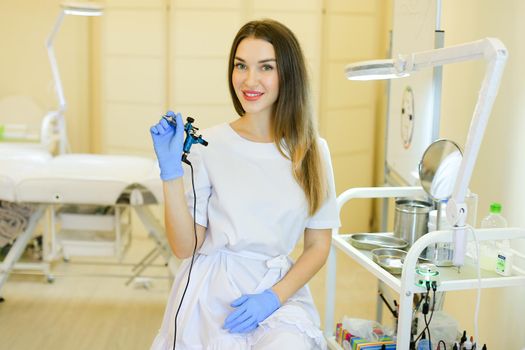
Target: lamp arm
{"type": "Point", "coordinates": [488, 49]}
{"type": "Point", "coordinates": [496, 55]}
{"type": "Point", "coordinates": [53, 62]}
{"type": "Point", "coordinates": [480, 118]}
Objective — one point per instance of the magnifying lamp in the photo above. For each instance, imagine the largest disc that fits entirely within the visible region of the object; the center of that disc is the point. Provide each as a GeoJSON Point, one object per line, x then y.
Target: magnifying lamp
{"type": "Point", "coordinates": [75, 9]}
{"type": "Point", "coordinates": [374, 70]}
{"type": "Point", "coordinates": [495, 54]}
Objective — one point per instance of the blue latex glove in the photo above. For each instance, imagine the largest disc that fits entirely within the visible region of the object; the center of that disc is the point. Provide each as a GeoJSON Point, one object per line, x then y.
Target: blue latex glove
{"type": "Point", "coordinates": [251, 309]}
{"type": "Point", "coordinates": [168, 142]}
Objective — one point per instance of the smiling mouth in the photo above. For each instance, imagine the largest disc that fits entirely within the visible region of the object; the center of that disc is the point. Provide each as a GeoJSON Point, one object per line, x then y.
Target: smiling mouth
{"type": "Point", "coordinates": [252, 95]}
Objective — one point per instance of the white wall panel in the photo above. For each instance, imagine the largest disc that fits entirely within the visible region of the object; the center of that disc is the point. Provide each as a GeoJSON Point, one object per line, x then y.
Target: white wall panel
{"type": "Point", "coordinates": [135, 80]}
{"type": "Point", "coordinates": [342, 92]}
{"type": "Point", "coordinates": [305, 26]}
{"type": "Point", "coordinates": [314, 73]}
{"type": "Point", "coordinates": [352, 31]}
{"type": "Point", "coordinates": [129, 33]}
{"type": "Point", "coordinates": [288, 5]}
{"type": "Point", "coordinates": [203, 33]}
{"type": "Point", "coordinates": [357, 213]}
{"type": "Point", "coordinates": [356, 6]}
{"type": "Point", "coordinates": [136, 3]}
{"type": "Point", "coordinates": [349, 130]}
{"type": "Point", "coordinates": [128, 127]}
{"type": "Point", "coordinates": [134, 73]}
{"type": "Point", "coordinates": [207, 4]}
{"type": "Point", "coordinates": [354, 170]}
{"type": "Point", "coordinates": [200, 81]}
{"type": "Point", "coordinates": [358, 170]}
{"type": "Point", "coordinates": [352, 37]}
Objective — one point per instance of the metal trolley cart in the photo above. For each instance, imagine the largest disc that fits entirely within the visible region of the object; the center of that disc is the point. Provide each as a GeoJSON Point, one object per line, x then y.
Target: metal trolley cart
{"type": "Point", "coordinates": [404, 285]}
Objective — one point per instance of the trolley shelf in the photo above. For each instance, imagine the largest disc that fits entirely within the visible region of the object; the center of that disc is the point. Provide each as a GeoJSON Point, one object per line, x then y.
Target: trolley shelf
{"type": "Point", "coordinates": [451, 278]}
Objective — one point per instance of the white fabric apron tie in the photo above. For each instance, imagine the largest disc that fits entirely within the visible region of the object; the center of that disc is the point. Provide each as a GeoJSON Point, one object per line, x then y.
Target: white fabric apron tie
{"type": "Point", "coordinates": [278, 266]}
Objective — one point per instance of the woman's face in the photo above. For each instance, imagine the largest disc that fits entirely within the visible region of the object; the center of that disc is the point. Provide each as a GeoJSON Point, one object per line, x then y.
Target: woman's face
{"type": "Point", "coordinates": [255, 77]}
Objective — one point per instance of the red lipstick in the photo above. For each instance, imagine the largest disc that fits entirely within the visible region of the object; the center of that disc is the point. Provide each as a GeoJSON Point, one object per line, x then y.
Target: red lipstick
{"type": "Point", "coordinates": [250, 95]}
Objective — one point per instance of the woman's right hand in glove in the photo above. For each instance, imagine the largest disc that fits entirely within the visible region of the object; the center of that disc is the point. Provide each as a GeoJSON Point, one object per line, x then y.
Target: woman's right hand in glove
{"type": "Point", "coordinates": [168, 141]}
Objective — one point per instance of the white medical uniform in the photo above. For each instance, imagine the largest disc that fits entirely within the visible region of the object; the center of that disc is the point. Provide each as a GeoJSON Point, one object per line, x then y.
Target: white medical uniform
{"type": "Point", "coordinates": [255, 213]}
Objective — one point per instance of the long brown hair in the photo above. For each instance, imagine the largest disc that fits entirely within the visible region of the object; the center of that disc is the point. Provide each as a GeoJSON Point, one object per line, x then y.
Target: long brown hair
{"type": "Point", "coordinates": [292, 121]}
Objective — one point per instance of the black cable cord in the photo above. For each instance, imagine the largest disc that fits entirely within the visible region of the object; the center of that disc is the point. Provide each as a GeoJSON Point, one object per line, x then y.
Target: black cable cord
{"type": "Point", "coordinates": [434, 287]}
{"type": "Point", "coordinates": [414, 330]}
{"type": "Point", "coordinates": [444, 345]}
{"type": "Point", "coordinates": [420, 334]}
{"type": "Point", "coordinates": [192, 256]}
{"type": "Point", "coordinates": [427, 323]}
{"type": "Point", "coordinates": [428, 330]}
{"type": "Point", "coordinates": [416, 306]}
{"type": "Point", "coordinates": [392, 310]}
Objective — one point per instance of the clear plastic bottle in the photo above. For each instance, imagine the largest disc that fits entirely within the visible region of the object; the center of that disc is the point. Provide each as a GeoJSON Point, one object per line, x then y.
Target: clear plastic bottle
{"type": "Point", "coordinates": [488, 250]}
{"type": "Point", "coordinates": [494, 219]}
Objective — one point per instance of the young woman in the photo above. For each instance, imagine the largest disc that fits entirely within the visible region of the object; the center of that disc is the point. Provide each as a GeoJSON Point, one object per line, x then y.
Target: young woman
{"type": "Point", "coordinates": [264, 181]}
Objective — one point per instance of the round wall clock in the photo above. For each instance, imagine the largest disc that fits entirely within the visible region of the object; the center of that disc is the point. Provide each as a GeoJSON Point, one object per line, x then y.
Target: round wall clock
{"type": "Point", "coordinates": [407, 117]}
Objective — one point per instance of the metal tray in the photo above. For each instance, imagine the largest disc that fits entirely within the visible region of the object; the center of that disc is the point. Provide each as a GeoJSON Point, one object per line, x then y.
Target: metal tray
{"type": "Point", "coordinates": [371, 241]}
{"type": "Point", "coordinates": [391, 259]}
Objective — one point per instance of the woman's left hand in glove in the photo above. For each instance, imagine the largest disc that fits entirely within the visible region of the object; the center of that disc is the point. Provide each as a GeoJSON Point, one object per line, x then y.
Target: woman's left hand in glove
{"type": "Point", "coordinates": [251, 309]}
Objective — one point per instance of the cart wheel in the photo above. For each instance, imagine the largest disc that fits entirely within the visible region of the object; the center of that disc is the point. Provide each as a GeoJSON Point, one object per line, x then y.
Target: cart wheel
{"type": "Point", "coordinates": [2, 299]}
{"type": "Point", "coordinates": [50, 279]}
{"type": "Point", "coordinates": [66, 259]}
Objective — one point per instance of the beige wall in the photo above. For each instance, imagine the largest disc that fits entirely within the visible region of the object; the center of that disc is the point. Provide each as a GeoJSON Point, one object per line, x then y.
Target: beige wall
{"type": "Point", "coordinates": [134, 75]}
{"type": "Point", "coordinates": [500, 168]}
{"type": "Point", "coordinates": [353, 31]}
{"type": "Point", "coordinates": [166, 54]}
{"type": "Point", "coordinates": [24, 65]}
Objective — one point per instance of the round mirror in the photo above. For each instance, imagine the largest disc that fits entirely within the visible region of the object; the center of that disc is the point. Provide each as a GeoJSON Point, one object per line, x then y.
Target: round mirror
{"type": "Point", "coordinates": [439, 167]}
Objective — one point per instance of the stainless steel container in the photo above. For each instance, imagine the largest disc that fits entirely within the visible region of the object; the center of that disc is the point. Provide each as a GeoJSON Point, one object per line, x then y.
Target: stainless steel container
{"type": "Point", "coordinates": [411, 219]}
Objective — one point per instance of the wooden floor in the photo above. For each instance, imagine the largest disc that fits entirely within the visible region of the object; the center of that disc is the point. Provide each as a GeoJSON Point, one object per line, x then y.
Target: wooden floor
{"type": "Point", "coordinates": [89, 307]}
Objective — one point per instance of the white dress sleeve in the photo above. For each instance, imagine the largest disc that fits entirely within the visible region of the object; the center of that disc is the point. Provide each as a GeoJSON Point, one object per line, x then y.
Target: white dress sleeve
{"type": "Point", "coordinates": [327, 216]}
{"type": "Point", "coordinates": [202, 186]}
